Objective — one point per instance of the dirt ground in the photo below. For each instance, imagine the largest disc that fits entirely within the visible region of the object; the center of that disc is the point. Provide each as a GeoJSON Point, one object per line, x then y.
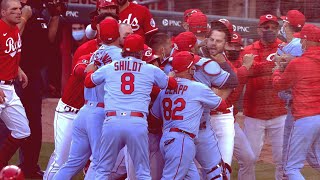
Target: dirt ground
{"type": "Point", "coordinates": [48, 109]}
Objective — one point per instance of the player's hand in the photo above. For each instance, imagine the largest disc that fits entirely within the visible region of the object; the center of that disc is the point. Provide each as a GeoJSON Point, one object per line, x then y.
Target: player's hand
{"type": "Point", "coordinates": [219, 58]}
{"type": "Point", "coordinates": [26, 12]}
{"type": "Point", "coordinates": [286, 57]}
{"type": "Point", "coordinates": [22, 77]}
{"type": "Point", "coordinates": [247, 60]}
{"type": "Point", "coordinates": [91, 68]}
{"type": "Point", "coordinates": [171, 74]}
{"type": "Point", "coordinates": [2, 97]}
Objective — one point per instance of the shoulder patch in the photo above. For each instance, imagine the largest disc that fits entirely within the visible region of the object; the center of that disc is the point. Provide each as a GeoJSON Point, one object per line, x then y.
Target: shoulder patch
{"type": "Point", "coordinates": [211, 68]}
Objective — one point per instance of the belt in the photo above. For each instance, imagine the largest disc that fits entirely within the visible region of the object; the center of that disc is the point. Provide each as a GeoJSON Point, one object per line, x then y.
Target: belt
{"type": "Point", "coordinates": [7, 82]}
{"type": "Point", "coordinates": [135, 114]}
{"type": "Point", "coordinates": [68, 108]}
{"type": "Point", "coordinates": [100, 104]}
{"type": "Point", "coordinates": [214, 112]}
{"type": "Point", "coordinates": [182, 131]}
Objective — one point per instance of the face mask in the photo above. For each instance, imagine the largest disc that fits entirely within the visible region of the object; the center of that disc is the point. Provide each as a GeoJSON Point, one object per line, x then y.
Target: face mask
{"type": "Point", "coordinates": [283, 32]}
{"type": "Point", "coordinates": [232, 55]}
{"type": "Point", "coordinates": [269, 36]}
{"type": "Point", "coordinates": [78, 34]}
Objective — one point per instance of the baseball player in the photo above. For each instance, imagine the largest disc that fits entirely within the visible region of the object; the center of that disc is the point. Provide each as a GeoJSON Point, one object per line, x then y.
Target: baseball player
{"type": "Point", "coordinates": [304, 82]}
{"type": "Point", "coordinates": [264, 111]}
{"type": "Point", "coordinates": [68, 107]}
{"type": "Point", "coordinates": [211, 74]}
{"type": "Point", "coordinates": [181, 110]}
{"type": "Point", "coordinates": [128, 83]}
{"type": "Point", "coordinates": [222, 122]}
{"type": "Point", "coordinates": [161, 44]}
{"type": "Point", "coordinates": [242, 149]}
{"type": "Point", "coordinates": [139, 17]}
{"type": "Point", "coordinates": [187, 13]}
{"type": "Point", "coordinates": [66, 111]}
{"type": "Point", "coordinates": [198, 25]}
{"type": "Point", "coordinates": [102, 6]}
{"type": "Point", "coordinates": [154, 128]}
{"type": "Point", "coordinates": [12, 112]}
{"type": "Point", "coordinates": [88, 123]}
{"type": "Point", "coordinates": [292, 23]}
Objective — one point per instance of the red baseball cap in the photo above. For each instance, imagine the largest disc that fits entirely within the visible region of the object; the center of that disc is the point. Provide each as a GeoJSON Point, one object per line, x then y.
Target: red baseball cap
{"type": "Point", "coordinates": [183, 60]}
{"type": "Point", "coordinates": [133, 43]}
{"type": "Point", "coordinates": [109, 30]}
{"type": "Point", "coordinates": [236, 38]}
{"type": "Point", "coordinates": [198, 22]}
{"type": "Point", "coordinates": [185, 41]}
{"type": "Point", "coordinates": [294, 18]}
{"type": "Point", "coordinates": [188, 13]}
{"type": "Point", "coordinates": [310, 32]}
{"type": "Point", "coordinates": [267, 18]}
{"type": "Point", "coordinates": [107, 3]}
{"type": "Point", "coordinates": [148, 54]}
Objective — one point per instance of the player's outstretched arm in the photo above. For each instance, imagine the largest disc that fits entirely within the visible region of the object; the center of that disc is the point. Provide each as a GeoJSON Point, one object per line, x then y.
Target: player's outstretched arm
{"type": "Point", "coordinates": [163, 81]}
{"type": "Point", "coordinates": [97, 77]}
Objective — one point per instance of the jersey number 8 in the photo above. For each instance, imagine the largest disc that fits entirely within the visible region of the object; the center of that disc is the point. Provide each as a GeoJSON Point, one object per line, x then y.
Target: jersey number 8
{"type": "Point", "coordinates": [127, 83]}
{"type": "Point", "coordinates": [170, 113]}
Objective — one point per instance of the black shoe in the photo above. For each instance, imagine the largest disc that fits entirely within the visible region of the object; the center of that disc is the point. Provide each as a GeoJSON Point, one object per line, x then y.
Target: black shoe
{"type": "Point", "coordinates": [34, 175]}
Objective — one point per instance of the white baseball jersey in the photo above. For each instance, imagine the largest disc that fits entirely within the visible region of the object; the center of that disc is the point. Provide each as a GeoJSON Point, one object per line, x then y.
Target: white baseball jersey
{"type": "Point", "coordinates": [102, 56]}
{"type": "Point", "coordinates": [128, 84]}
{"type": "Point", "coordinates": [183, 107]}
{"type": "Point", "coordinates": [105, 55]}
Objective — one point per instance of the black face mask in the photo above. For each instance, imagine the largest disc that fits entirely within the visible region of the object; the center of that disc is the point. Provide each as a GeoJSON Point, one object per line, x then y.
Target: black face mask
{"type": "Point", "coordinates": [269, 36]}
{"type": "Point", "coordinates": [232, 55]}
{"type": "Point", "coordinates": [121, 2]}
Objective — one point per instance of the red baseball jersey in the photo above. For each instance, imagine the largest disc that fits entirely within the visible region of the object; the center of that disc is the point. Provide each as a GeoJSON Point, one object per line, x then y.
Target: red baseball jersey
{"type": "Point", "coordinates": [140, 19]}
{"type": "Point", "coordinates": [302, 75]}
{"type": "Point", "coordinates": [88, 47]}
{"type": "Point", "coordinates": [260, 99]}
{"type": "Point", "coordinates": [10, 50]}
{"type": "Point", "coordinates": [74, 90]}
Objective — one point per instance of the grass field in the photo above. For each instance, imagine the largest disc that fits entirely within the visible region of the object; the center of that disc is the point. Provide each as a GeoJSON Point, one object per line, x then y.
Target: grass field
{"type": "Point", "coordinates": [264, 171]}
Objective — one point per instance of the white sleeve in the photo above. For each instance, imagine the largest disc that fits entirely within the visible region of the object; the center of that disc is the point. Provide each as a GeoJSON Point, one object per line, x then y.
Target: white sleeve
{"type": "Point", "coordinates": [161, 79]}
{"type": "Point", "coordinates": [90, 33]}
{"type": "Point", "coordinates": [156, 108]}
{"type": "Point", "coordinates": [100, 75]}
{"type": "Point", "coordinates": [208, 97]}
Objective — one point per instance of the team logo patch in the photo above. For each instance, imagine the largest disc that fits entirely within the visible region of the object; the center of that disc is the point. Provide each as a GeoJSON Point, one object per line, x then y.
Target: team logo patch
{"type": "Point", "coordinates": [169, 141]}
{"type": "Point", "coordinates": [152, 23]}
{"type": "Point", "coordinates": [269, 16]}
{"type": "Point", "coordinates": [148, 53]}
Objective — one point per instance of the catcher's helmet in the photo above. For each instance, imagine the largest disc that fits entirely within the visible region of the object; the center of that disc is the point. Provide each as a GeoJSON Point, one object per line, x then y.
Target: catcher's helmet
{"type": "Point", "coordinates": [11, 172]}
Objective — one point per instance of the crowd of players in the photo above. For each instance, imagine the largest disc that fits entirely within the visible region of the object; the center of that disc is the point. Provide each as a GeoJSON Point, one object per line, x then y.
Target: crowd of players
{"type": "Point", "coordinates": [125, 118]}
